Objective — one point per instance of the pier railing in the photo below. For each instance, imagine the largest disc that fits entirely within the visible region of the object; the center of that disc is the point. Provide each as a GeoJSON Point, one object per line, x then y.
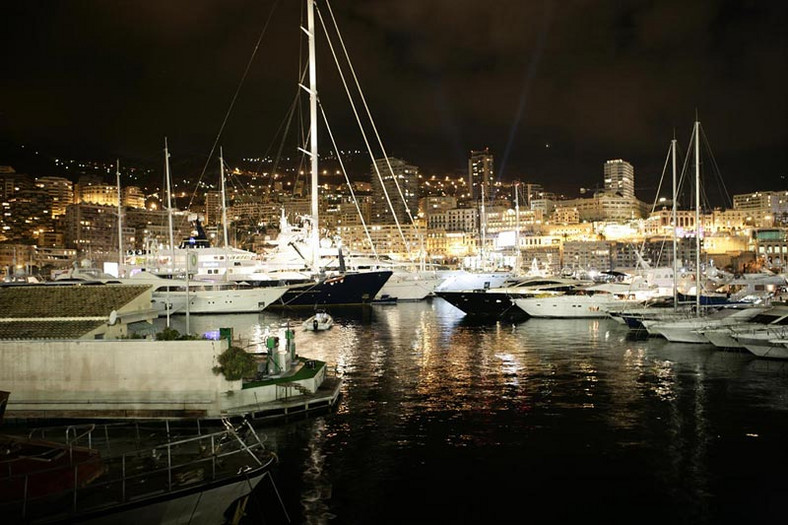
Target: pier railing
{"type": "Point", "coordinates": [161, 469]}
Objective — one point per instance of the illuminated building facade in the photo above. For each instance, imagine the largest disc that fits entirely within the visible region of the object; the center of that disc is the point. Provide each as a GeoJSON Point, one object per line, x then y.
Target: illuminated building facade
{"type": "Point", "coordinates": [481, 174]}
{"type": "Point", "coordinates": [60, 191]}
{"type": "Point", "coordinates": [401, 182]}
{"type": "Point", "coordinates": [620, 178]}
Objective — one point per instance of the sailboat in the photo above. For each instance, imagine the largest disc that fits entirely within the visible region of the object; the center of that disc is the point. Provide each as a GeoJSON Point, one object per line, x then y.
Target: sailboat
{"type": "Point", "coordinates": [710, 308]}
{"type": "Point", "coordinates": [722, 336]}
{"type": "Point", "coordinates": [661, 306]}
{"type": "Point", "coordinates": [664, 308]}
{"type": "Point", "coordinates": [312, 284]}
{"type": "Point", "coordinates": [188, 281]}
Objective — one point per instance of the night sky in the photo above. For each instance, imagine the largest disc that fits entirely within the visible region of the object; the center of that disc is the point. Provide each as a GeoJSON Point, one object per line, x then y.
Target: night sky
{"type": "Point", "coordinates": [553, 88]}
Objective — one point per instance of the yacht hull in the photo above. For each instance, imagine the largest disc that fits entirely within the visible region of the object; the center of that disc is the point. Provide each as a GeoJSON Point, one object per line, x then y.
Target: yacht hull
{"type": "Point", "coordinates": [482, 304]}
{"type": "Point", "coordinates": [207, 503]}
{"type": "Point", "coordinates": [764, 346]}
{"type": "Point", "coordinates": [568, 307]}
{"type": "Point", "coordinates": [346, 289]}
{"type": "Point", "coordinates": [410, 286]}
{"type": "Point", "coordinates": [721, 338]}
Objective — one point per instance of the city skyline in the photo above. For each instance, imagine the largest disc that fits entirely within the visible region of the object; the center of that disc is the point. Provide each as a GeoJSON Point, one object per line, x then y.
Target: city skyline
{"type": "Point", "coordinates": [553, 90]}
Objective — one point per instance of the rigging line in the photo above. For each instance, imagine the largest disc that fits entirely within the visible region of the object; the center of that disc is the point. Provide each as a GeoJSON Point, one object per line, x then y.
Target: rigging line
{"type": "Point", "coordinates": [366, 140]}
{"type": "Point", "coordinates": [236, 183]}
{"type": "Point", "coordinates": [369, 113]}
{"type": "Point", "coordinates": [289, 120]}
{"type": "Point", "coordinates": [291, 111]}
{"type": "Point", "coordinates": [347, 180]}
{"type": "Point", "coordinates": [286, 122]}
{"type": "Point", "coordinates": [656, 198]}
{"type": "Point", "coordinates": [703, 188]}
{"type": "Point", "coordinates": [366, 107]}
{"type": "Point", "coordinates": [684, 175]}
{"type": "Point", "coordinates": [372, 123]}
{"type": "Point", "coordinates": [716, 168]}
{"type": "Point", "coordinates": [235, 96]}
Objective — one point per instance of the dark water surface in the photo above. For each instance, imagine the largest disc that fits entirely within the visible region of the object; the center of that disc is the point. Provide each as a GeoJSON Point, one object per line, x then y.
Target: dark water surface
{"type": "Point", "coordinates": [443, 420]}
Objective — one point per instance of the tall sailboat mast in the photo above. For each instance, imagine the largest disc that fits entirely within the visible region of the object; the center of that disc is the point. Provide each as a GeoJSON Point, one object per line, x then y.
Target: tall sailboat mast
{"type": "Point", "coordinates": [169, 205]}
{"type": "Point", "coordinates": [120, 225]}
{"type": "Point", "coordinates": [169, 216]}
{"type": "Point", "coordinates": [483, 228]}
{"type": "Point", "coordinates": [697, 218]}
{"type": "Point", "coordinates": [224, 213]}
{"type": "Point", "coordinates": [310, 31]}
{"type": "Point", "coordinates": [673, 218]}
{"type": "Point", "coordinates": [517, 227]}
{"type": "Point", "coordinates": [224, 198]}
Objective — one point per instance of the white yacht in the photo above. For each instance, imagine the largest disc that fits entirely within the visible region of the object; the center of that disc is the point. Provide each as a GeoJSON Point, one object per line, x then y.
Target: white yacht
{"type": "Point", "coordinates": [408, 281]}
{"type": "Point", "coordinates": [410, 284]}
{"type": "Point", "coordinates": [765, 341]}
{"type": "Point", "coordinates": [588, 301]}
{"type": "Point", "coordinates": [205, 297]}
{"type": "Point", "coordinates": [777, 350]}
{"type": "Point", "coordinates": [472, 280]}
{"type": "Point", "coordinates": [208, 297]}
{"type": "Point", "coordinates": [723, 336]}
{"type": "Point", "coordinates": [691, 329]}
{"type": "Point", "coordinates": [204, 261]}
{"type": "Point", "coordinates": [498, 302]}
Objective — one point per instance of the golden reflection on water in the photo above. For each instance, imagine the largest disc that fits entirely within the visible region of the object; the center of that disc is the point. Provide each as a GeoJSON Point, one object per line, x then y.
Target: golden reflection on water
{"type": "Point", "coordinates": [442, 358]}
{"type": "Point", "coordinates": [422, 381]}
{"type": "Point", "coordinates": [317, 485]}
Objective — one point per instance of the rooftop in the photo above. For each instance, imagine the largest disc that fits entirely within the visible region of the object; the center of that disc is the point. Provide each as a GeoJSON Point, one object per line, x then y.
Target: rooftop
{"type": "Point", "coordinates": [60, 312]}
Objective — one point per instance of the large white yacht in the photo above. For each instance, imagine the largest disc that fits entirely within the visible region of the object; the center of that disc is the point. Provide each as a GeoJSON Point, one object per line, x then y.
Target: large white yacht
{"type": "Point", "coordinates": [170, 294]}
{"type": "Point", "coordinates": [692, 329]}
{"type": "Point", "coordinates": [497, 302]}
{"type": "Point", "coordinates": [766, 341]}
{"type": "Point", "coordinates": [593, 300]}
{"type": "Point", "coordinates": [775, 316]}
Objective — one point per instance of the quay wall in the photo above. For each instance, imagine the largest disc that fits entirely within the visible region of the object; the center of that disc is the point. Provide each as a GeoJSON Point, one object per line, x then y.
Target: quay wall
{"type": "Point", "coordinates": [118, 378]}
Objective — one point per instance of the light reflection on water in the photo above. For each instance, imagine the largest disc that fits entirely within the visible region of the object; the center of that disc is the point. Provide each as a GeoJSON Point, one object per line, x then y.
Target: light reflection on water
{"type": "Point", "coordinates": [468, 422]}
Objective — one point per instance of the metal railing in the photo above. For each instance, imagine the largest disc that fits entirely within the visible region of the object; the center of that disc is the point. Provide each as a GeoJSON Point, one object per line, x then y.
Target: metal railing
{"type": "Point", "coordinates": [134, 475]}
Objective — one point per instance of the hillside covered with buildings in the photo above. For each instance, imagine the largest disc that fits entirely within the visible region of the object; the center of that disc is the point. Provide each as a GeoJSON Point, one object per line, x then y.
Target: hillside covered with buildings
{"type": "Point", "coordinates": [50, 222]}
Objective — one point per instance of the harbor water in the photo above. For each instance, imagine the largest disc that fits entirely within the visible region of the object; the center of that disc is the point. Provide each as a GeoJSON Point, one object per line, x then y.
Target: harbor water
{"type": "Point", "coordinates": [446, 420]}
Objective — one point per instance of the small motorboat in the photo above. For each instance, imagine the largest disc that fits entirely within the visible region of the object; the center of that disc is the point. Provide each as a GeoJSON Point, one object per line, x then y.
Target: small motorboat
{"type": "Point", "coordinates": [320, 321]}
{"type": "Point", "coordinates": [384, 299]}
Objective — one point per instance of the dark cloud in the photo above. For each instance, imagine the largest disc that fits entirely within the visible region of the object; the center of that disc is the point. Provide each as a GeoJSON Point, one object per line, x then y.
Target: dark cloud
{"type": "Point", "coordinates": [592, 80]}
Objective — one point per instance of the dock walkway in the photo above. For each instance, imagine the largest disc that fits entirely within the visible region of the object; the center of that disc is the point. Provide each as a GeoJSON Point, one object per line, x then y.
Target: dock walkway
{"type": "Point", "coordinates": [292, 401]}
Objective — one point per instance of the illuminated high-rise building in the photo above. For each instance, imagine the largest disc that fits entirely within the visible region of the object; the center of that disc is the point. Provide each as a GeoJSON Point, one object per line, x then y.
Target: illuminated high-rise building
{"type": "Point", "coordinates": [620, 178]}
{"type": "Point", "coordinates": [407, 179]}
{"type": "Point", "coordinates": [481, 174]}
{"type": "Point", "coordinates": [213, 208]}
{"type": "Point", "coordinates": [60, 190]}
{"type": "Point", "coordinates": [133, 197]}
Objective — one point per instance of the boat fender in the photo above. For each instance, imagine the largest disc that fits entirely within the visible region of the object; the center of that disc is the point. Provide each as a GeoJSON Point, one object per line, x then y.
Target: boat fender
{"type": "Point", "coordinates": [314, 324]}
